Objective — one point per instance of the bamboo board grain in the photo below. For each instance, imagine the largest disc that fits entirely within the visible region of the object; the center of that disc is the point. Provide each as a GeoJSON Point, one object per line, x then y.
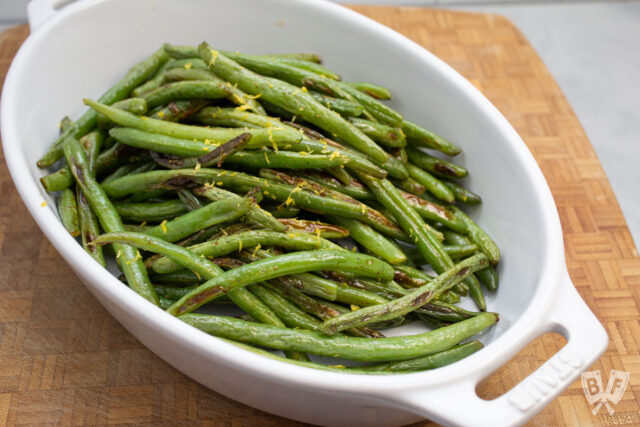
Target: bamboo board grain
{"type": "Point", "coordinates": [80, 367]}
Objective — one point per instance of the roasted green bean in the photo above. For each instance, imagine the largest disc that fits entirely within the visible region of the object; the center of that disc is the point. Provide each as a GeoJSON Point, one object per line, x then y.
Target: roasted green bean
{"type": "Point", "coordinates": [212, 136]}
{"type": "Point", "coordinates": [372, 90]}
{"type": "Point", "coordinates": [352, 348]}
{"type": "Point", "coordinates": [68, 211]}
{"type": "Point", "coordinates": [422, 137]}
{"type": "Point", "coordinates": [128, 257]}
{"type": "Point", "coordinates": [410, 301]}
{"type": "Point", "coordinates": [281, 265]}
{"type": "Point", "coordinates": [214, 213]}
{"type": "Point", "coordinates": [248, 240]}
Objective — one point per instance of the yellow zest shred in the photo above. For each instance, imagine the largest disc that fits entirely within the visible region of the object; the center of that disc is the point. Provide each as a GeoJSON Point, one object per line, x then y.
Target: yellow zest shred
{"type": "Point", "coordinates": [354, 307]}
{"type": "Point", "coordinates": [273, 143]}
{"type": "Point", "coordinates": [188, 65]}
{"type": "Point", "coordinates": [163, 226]}
{"type": "Point", "coordinates": [363, 208]}
{"type": "Point", "coordinates": [196, 273]}
{"type": "Point", "coordinates": [337, 366]}
{"type": "Point", "coordinates": [214, 56]}
{"type": "Point", "coordinates": [256, 249]}
{"type": "Point", "coordinates": [44, 204]}
{"type": "Point", "coordinates": [243, 107]}
{"type": "Point", "coordinates": [267, 158]}
{"type": "Point", "coordinates": [197, 168]}
{"type": "Point", "coordinates": [304, 89]}
{"type": "Point", "coordinates": [161, 114]}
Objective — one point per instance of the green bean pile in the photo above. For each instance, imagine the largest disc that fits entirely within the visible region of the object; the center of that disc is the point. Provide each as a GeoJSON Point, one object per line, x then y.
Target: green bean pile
{"type": "Point", "coordinates": [217, 177]}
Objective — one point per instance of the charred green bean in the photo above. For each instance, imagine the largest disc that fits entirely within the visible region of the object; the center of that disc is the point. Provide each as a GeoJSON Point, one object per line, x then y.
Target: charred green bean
{"type": "Point", "coordinates": [352, 348]}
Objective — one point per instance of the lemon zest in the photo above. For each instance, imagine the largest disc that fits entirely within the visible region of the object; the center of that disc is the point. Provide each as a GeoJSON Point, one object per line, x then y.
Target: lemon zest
{"type": "Point", "coordinates": [256, 249]}
{"type": "Point", "coordinates": [214, 56]}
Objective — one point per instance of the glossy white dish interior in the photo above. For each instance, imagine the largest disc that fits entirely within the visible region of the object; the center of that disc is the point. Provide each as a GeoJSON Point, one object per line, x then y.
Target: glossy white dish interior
{"type": "Point", "coordinates": [86, 46]}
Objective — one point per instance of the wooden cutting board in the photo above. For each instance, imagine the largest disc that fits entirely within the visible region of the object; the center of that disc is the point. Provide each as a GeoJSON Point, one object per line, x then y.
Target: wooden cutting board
{"type": "Point", "coordinates": [65, 360]}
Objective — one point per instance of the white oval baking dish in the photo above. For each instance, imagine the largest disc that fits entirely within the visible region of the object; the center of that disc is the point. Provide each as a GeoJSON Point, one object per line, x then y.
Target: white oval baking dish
{"type": "Point", "coordinates": [79, 50]}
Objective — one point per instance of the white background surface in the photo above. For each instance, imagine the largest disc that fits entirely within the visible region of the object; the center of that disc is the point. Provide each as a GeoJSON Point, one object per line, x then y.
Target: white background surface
{"type": "Point", "coordinates": [593, 51]}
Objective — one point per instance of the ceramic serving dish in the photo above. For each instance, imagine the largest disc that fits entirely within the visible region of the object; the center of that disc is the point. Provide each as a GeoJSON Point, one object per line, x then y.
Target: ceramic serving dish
{"type": "Point", "coordinates": [80, 49]}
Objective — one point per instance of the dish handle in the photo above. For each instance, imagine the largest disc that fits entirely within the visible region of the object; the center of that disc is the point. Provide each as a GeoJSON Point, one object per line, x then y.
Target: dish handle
{"type": "Point", "coordinates": [39, 11]}
{"type": "Point", "coordinates": [458, 404]}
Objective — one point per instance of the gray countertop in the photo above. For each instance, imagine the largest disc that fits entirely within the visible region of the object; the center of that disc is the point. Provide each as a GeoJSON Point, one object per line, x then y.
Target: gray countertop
{"type": "Point", "coordinates": [593, 52]}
